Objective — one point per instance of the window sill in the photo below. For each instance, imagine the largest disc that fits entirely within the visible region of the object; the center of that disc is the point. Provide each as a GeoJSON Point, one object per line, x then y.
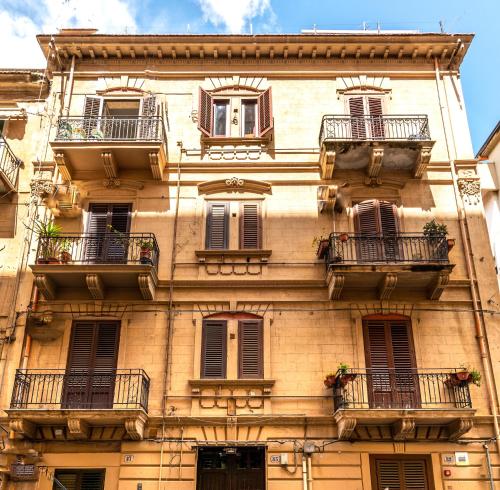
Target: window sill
{"type": "Point", "coordinates": [265, 384]}
{"type": "Point", "coordinates": [247, 254]}
{"type": "Point", "coordinates": [236, 140]}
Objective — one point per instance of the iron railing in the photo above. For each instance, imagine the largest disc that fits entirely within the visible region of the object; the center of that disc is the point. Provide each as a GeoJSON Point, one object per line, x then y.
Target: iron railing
{"type": "Point", "coordinates": [101, 248]}
{"type": "Point", "coordinates": [379, 128]}
{"type": "Point", "coordinates": [400, 389]}
{"type": "Point", "coordinates": [80, 389]}
{"type": "Point", "coordinates": [9, 163]}
{"type": "Point", "coordinates": [409, 248]}
{"type": "Point", "coordinates": [110, 128]}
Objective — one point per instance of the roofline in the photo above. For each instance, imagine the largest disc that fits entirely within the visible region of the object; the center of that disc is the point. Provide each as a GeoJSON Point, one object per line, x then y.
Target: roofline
{"type": "Point", "coordinates": [491, 140]}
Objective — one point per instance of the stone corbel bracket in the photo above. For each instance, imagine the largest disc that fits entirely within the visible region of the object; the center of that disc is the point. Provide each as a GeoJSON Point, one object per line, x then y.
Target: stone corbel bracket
{"type": "Point", "coordinates": [327, 198]}
{"type": "Point", "coordinates": [135, 427]}
{"type": "Point", "coordinates": [326, 162]}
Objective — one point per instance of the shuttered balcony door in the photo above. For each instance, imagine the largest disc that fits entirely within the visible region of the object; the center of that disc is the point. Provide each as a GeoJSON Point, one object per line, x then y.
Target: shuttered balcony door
{"type": "Point", "coordinates": [217, 229]}
{"type": "Point", "coordinates": [250, 225]}
{"type": "Point", "coordinates": [214, 349]}
{"type": "Point", "coordinates": [401, 474]}
{"type": "Point", "coordinates": [250, 349]}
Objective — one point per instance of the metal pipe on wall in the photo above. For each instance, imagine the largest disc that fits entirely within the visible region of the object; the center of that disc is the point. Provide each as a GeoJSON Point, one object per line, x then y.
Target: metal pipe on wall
{"type": "Point", "coordinates": [465, 236]}
{"type": "Point", "coordinates": [309, 473]}
{"type": "Point", "coordinates": [70, 83]}
{"type": "Point", "coordinates": [304, 472]}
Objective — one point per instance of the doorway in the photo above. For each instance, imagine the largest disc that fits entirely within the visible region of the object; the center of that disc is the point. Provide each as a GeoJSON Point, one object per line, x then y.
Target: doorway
{"type": "Point", "coordinates": [231, 468]}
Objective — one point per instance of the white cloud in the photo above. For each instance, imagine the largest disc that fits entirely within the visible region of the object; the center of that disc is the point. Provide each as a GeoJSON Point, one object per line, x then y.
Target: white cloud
{"type": "Point", "coordinates": [18, 30]}
{"type": "Point", "coordinates": [234, 14]}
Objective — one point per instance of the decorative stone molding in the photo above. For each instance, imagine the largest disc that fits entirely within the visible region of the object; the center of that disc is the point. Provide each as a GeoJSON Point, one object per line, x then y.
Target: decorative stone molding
{"type": "Point", "coordinates": [109, 163]}
{"type": "Point", "coordinates": [459, 427]}
{"type": "Point", "coordinates": [234, 184]}
{"type": "Point", "coordinates": [249, 83]}
{"type": "Point", "coordinates": [387, 285]}
{"type": "Point", "coordinates": [423, 159]}
{"type": "Point", "coordinates": [469, 186]}
{"type": "Point", "coordinates": [95, 285]}
{"type": "Point", "coordinates": [363, 83]}
{"type": "Point", "coordinates": [146, 285]}
{"type": "Point", "coordinates": [436, 289]}
{"type": "Point", "coordinates": [335, 283]}
{"type": "Point", "coordinates": [345, 426]}
{"type": "Point", "coordinates": [42, 188]}
{"type": "Point", "coordinates": [46, 286]}
{"type": "Point", "coordinates": [375, 163]}
{"type": "Point", "coordinates": [135, 427]}
{"type": "Point", "coordinates": [403, 428]}
{"type": "Point", "coordinates": [157, 165]}
{"type": "Point", "coordinates": [327, 197]}
{"type": "Point", "coordinates": [63, 165]}
{"type": "Point", "coordinates": [124, 83]}
{"type": "Point", "coordinates": [23, 427]}
{"type": "Point", "coordinates": [233, 262]}
{"type": "Point", "coordinates": [94, 185]}
{"type": "Point", "coordinates": [77, 428]}
{"type": "Point", "coordinates": [326, 162]}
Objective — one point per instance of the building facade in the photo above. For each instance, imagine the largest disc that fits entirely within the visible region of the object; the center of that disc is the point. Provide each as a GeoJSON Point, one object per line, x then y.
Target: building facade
{"type": "Point", "coordinates": [239, 276]}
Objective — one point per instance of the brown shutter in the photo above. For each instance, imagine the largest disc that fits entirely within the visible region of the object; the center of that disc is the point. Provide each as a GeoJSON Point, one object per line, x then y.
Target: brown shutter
{"type": "Point", "coordinates": [376, 120]}
{"type": "Point", "coordinates": [388, 218]}
{"type": "Point", "coordinates": [376, 345]}
{"type": "Point", "coordinates": [250, 225]}
{"type": "Point", "coordinates": [250, 349]}
{"type": "Point", "coordinates": [214, 349]}
{"type": "Point", "coordinates": [265, 109]}
{"type": "Point", "coordinates": [91, 111]}
{"type": "Point", "coordinates": [80, 479]}
{"type": "Point", "coordinates": [106, 348]}
{"type": "Point", "coordinates": [148, 128]}
{"type": "Point", "coordinates": [366, 218]}
{"type": "Point", "coordinates": [401, 474]}
{"type": "Point", "coordinates": [357, 111]}
{"type": "Point", "coordinates": [205, 113]}
{"type": "Point", "coordinates": [81, 350]}
{"type": "Point", "coordinates": [217, 230]}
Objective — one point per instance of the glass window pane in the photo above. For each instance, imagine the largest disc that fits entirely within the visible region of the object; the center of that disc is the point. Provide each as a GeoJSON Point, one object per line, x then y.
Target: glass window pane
{"type": "Point", "coordinates": [249, 117]}
{"type": "Point", "coordinates": [220, 117]}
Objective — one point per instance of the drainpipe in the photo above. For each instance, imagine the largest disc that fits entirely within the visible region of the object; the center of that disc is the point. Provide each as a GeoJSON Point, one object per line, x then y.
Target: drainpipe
{"type": "Point", "coordinates": [309, 473]}
{"type": "Point", "coordinates": [464, 234]}
{"type": "Point", "coordinates": [304, 471]}
{"type": "Point", "coordinates": [488, 461]}
{"type": "Point", "coordinates": [70, 83]}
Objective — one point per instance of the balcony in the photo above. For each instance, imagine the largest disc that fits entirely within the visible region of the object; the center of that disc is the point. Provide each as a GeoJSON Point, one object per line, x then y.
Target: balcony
{"type": "Point", "coordinates": [90, 148]}
{"type": "Point", "coordinates": [107, 266]}
{"type": "Point", "coordinates": [413, 403]}
{"type": "Point", "coordinates": [386, 267]}
{"type": "Point", "coordinates": [78, 401]}
{"type": "Point", "coordinates": [9, 168]}
{"type": "Point", "coordinates": [392, 143]}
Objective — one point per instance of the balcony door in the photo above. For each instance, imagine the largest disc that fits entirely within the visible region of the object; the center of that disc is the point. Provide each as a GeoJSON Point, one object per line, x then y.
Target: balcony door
{"type": "Point", "coordinates": [392, 379]}
{"type": "Point", "coordinates": [377, 226]}
{"type": "Point", "coordinates": [366, 117]}
{"type": "Point", "coordinates": [107, 239]}
{"type": "Point", "coordinates": [90, 374]}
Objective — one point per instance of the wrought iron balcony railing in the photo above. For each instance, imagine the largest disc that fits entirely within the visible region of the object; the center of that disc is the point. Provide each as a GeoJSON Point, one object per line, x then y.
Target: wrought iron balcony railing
{"type": "Point", "coordinates": [374, 128]}
{"type": "Point", "coordinates": [9, 163]}
{"type": "Point", "coordinates": [106, 248]}
{"type": "Point", "coordinates": [404, 248]}
{"type": "Point", "coordinates": [110, 128]}
{"type": "Point", "coordinates": [400, 389]}
{"type": "Point", "coordinates": [80, 389]}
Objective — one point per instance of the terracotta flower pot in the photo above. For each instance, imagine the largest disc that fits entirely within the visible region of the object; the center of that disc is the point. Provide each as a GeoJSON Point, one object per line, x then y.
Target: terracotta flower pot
{"type": "Point", "coordinates": [463, 375]}
{"type": "Point", "coordinates": [53, 260]}
{"type": "Point", "coordinates": [65, 257]}
{"type": "Point", "coordinates": [451, 243]}
{"type": "Point", "coordinates": [330, 381]}
{"type": "Point", "coordinates": [343, 237]}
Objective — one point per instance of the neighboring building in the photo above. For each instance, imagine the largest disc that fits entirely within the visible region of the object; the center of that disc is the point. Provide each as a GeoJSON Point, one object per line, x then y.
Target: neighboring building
{"type": "Point", "coordinates": [181, 325]}
{"type": "Point", "coordinates": [489, 172]}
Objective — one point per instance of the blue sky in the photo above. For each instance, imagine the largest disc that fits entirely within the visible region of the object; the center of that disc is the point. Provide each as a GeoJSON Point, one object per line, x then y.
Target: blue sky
{"type": "Point", "coordinates": [21, 20]}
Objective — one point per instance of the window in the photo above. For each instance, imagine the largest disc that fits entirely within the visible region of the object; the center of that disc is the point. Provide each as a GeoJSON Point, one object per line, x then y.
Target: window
{"type": "Point", "coordinates": [218, 225]}
{"type": "Point", "coordinates": [366, 117]}
{"type": "Point", "coordinates": [92, 358]}
{"type": "Point", "coordinates": [250, 349]}
{"type": "Point", "coordinates": [250, 114]}
{"type": "Point", "coordinates": [79, 479]}
{"type": "Point", "coordinates": [391, 364]}
{"type": "Point", "coordinates": [412, 473]}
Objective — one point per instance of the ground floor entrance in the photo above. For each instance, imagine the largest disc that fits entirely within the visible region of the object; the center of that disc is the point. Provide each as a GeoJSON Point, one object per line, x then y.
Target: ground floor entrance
{"type": "Point", "coordinates": [231, 468]}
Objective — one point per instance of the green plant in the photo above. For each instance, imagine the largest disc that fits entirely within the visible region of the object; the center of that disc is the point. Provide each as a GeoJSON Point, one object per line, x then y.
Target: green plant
{"type": "Point", "coordinates": [475, 377]}
{"type": "Point", "coordinates": [65, 244]}
{"type": "Point", "coordinates": [48, 232]}
{"type": "Point", "coordinates": [435, 229]}
{"type": "Point", "coordinates": [343, 368]}
{"type": "Point", "coordinates": [146, 244]}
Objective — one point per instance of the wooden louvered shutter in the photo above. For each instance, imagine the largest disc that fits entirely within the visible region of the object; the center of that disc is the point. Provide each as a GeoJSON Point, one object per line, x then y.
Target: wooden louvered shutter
{"type": "Point", "coordinates": [265, 110]}
{"type": "Point", "coordinates": [376, 120]}
{"type": "Point", "coordinates": [401, 474]}
{"type": "Point", "coordinates": [214, 349]}
{"type": "Point", "coordinates": [357, 112]}
{"type": "Point", "coordinates": [250, 225]}
{"type": "Point", "coordinates": [392, 249]}
{"type": "Point", "coordinates": [205, 112]}
{"type": "Point", "coordinates": [116, 247]}
{"type": "Point", "coordinates": [148, 128]}
{"type": "Point", "coordinates": [250, 349]}
{"type": "Point", "coordinates": [367, 225]}
{"type": "Point", "coordinates": [80, 479]}
{"type": "Point", "coordinates": [92, 109]}
{"type": "Point", "coordinates": [217, 230]}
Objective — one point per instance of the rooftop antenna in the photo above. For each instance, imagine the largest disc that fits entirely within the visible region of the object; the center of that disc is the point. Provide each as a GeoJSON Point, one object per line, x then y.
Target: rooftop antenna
{"type": "Point", "coordinates": [441, 26]}
{"type": "Point", "coordinates": [364, 25]}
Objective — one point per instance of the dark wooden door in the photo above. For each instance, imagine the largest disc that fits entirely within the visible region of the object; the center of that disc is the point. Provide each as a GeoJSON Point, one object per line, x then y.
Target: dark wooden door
{"type": "Point", "coordinates": [391, 367]}
{"type": "Point", "coordinates": [108, 228]}
{"type": "Point", "coordinates": [235, 468]}
{"type": "Point", "coordinates": [91, 371]}
{"type": "Point", "coordinates": [394, 473]}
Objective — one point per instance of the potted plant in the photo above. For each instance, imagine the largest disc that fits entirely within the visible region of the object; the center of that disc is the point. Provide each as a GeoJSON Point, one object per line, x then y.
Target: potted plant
{"type": "Point", "coordinates": [147, 247]}
{"type": "Point", "coordinates": [464, 376]}
{"type": "Point", "coordinates": [65, 247]}
{"type": "Point", "coordinates": [48, 234]}
{"type": "Point", "coordinates": [343, 237]}
{"type": "Point", "coordinates": [329, 380]}
{"type": "Point", "coordinates": [323, 244]}
{"type": "Point", "coordinates": [433, 230]}
{"type": "Point", "coordinates": [343, 374]}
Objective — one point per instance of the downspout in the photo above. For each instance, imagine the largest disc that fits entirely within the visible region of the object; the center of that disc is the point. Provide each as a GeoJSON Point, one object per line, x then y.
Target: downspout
{"type": "Point", "coordinates": [464, 233]}
{"type": "Point", "coordinates": [309, 473]}
{"type": "Point", "coordinates": [488, 461]}
{"type": "Point", "coordinates": [304, 471]}
{"type": "Point", "coordinates": [70, 83]}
